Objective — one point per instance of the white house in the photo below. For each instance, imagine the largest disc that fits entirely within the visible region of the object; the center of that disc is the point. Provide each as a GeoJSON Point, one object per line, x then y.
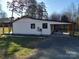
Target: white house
{"type": "Point", "coordinates": [32, 26]}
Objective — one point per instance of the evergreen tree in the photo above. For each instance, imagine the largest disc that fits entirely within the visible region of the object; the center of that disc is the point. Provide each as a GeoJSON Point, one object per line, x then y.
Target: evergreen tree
{"type": "Point", "coordinates": [32, 8]}
{"type": "Point", "coordinates": [41, 11]}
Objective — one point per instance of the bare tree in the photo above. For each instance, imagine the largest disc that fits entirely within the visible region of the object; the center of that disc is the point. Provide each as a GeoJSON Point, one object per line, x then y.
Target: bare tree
{"type": "Point", "coordinates": [73, 12]}
{"type": "Point", "coordinates": [28, 7]}
{"type": "Point", "coordinates": [12, 7]}
{"type": "Point", "coordinates": [15, 6]}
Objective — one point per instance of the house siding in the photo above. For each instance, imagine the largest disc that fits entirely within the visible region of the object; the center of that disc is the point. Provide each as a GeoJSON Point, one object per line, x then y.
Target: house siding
{"type": "Point", "coordinates": [23, 26]}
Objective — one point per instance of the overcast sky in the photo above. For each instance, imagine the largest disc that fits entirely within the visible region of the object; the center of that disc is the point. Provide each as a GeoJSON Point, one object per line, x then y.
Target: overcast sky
{"type": "Point", "coordinates": [52, 5]}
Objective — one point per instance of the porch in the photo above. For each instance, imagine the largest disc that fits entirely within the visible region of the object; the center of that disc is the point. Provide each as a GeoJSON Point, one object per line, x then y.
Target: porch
{"type": "Point", "coordinates": [63, 28]}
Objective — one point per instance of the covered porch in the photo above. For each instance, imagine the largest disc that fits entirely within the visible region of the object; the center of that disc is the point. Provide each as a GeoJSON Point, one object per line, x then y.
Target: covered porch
{"type": "Point", "coordinates": [61, 27]}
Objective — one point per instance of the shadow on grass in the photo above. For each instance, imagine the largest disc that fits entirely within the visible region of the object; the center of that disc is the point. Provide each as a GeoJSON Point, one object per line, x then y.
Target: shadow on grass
{"type": "Point", "coordinates": [13, 44]}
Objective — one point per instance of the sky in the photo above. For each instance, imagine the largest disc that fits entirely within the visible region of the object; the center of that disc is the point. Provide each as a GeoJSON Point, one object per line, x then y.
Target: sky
{"type": "Point", "coordinates": [52, 6]}
{"type": "Point", "coordinates": [58, 6]}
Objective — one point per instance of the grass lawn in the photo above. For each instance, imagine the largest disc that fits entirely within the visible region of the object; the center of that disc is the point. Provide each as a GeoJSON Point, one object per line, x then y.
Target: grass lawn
{"type": "Point", "coordinates": [20, 46]}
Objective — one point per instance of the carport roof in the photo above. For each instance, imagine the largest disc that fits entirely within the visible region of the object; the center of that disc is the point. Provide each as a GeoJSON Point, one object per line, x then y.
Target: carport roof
{"type": "Point", "coordinates": [59, 23]}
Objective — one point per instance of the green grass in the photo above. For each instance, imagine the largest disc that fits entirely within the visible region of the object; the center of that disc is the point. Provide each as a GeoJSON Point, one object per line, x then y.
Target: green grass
{"type": "Point", "coordinates": [18, 45]}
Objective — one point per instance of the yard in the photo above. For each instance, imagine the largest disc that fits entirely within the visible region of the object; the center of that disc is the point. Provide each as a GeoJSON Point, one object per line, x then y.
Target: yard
{"type": "Point", "coordinates": [18, 46]}
{"type": "Point", "coordinates": [53, 47]}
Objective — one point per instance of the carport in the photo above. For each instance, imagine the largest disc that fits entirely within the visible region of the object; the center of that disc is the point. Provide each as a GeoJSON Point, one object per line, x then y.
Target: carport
{"type": "Point", "coordinates": [61, 27]}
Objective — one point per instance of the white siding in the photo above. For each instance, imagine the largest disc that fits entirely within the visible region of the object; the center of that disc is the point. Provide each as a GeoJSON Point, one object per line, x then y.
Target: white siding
{"type": "Point", "coordinates": [23, 26]}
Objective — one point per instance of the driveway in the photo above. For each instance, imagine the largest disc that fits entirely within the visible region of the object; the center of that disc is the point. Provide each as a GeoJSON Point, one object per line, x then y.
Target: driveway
{"type": "Point", "coordinates": [58, 47]}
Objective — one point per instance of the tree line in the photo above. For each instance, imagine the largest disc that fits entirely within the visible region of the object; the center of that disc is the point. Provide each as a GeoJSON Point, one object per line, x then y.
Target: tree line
{"type": "Point", "coordinates": [38, 10]}
{"type": "Point", "coordinates": [70, 14]}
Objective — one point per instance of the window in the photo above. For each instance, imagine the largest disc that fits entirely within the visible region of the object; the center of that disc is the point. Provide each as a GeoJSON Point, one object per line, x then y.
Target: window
{"type": "Point", "coordinates": [44, 25]}
{"type": "Point", "coordinates": [32, 26]}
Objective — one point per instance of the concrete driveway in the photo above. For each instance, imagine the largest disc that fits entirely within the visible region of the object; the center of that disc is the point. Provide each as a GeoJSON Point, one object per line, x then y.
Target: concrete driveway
{"type": "Point", "coordinates": [58, 47]}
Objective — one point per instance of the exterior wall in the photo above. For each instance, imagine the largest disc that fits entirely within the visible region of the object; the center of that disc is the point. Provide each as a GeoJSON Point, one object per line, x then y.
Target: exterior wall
{"type": "Point", "coordinates": [23, 26]}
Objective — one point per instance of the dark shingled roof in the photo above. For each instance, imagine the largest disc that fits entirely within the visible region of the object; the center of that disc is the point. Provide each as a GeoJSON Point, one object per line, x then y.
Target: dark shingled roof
{"type": "Point", "coordinates": [30, 18]}
{"type": "Point", "coordinates": [36, 19]}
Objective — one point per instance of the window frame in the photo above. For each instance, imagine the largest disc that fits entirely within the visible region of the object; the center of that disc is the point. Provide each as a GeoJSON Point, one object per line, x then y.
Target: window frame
{"type": "Point", "coordinates": [32, 26]}
{"type": "Point", "coordinates": [44, 25]}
